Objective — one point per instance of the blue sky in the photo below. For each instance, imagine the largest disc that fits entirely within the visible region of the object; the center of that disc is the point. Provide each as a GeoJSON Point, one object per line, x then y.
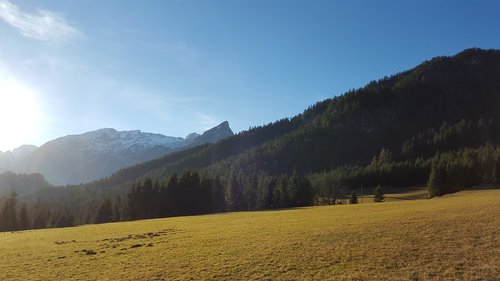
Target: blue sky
{"type": "Point", "coordinates": [174, 67]}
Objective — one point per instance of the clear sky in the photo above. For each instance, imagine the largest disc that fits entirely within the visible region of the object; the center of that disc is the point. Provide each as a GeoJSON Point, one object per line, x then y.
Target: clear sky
{"type": "Point", "coordinates": [175, 67]}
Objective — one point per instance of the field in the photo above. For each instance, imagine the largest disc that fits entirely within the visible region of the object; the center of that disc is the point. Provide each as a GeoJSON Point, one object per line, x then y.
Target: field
{"type": "Point", "coordinates": [410, 193]}
{"type": "Point", "coordinates": [456, 237]}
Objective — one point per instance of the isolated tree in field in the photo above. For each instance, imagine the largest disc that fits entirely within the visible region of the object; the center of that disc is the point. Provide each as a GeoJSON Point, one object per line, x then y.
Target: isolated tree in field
{"type": "Point", "coordinates": [354, 198]}
{"type": "Point", "coordinates": [440, 180]}
{"type": "Point", "coordinates": [378, 195]}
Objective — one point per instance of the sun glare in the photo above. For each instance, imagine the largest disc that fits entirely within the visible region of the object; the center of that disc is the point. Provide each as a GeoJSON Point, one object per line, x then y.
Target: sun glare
{"type": "Point", "coordinates": [20, 114]}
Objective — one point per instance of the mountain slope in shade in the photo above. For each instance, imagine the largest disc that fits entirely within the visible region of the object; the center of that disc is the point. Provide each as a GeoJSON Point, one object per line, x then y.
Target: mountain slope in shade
{"type": "Point", "coordinates": [80, 158]}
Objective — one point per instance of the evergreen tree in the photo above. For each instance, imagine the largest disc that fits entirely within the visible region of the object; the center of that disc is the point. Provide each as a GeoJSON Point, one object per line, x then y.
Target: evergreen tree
{"type": "Point", "coordinates": [169, 196]}
{"type": "Point", "coordinates": [218, 201]}
{"type": "Point", "coordinates": [353, 199]}
{"type": "Point", "coordinates": [206, 196]}
{"type": "Point", "coordinates": [439, 182]}
{"type": "Point", "coordinates": [104, 212]}
{"type": "Point", "coordinates": [233, 194]}
{"type": "Point", "coordinates": [280, 194]}
{"type": "Point", "coordinates": [378, 195]}
{"type": "Point", "coordinates": [23, 218]}
{"type": "Point", "coordinates": [302, 194]}
{"type": "Point", "coordinates": [118, 209]}
{"type": "Point", "coordinates": [41, 219]}
{"type": "Point", "coordinates": [8, 213]}
{"type": "Point", "coordinates": [63, 218]}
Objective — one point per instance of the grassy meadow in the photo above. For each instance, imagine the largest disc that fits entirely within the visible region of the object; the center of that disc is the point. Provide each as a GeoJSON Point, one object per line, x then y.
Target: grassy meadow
{"type": "Point", "coordinates": [455, 237]}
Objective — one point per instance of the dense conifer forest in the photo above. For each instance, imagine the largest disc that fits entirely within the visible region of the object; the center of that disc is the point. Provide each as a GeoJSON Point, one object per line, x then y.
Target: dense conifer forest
{"type": "Point", "coordinates": [437, 125]}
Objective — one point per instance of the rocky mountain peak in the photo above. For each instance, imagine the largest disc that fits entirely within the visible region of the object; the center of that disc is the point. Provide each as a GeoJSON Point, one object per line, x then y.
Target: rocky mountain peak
{"type": "Point", "coordinates": [215, 134]}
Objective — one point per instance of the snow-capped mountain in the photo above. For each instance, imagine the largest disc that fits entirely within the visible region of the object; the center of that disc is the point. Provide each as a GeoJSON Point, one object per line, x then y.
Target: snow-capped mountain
{"type": "Point", "coordinates": [89, 156]}
{"type": "Point", "coordinates": [110, 140]}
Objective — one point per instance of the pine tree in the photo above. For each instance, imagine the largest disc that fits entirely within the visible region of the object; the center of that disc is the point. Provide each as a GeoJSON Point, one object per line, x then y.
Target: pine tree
{"type": "Point", "coordinates": [63, 218]}
{"type": "Point", "coordinates": [233, 194]}
{"type": "Point", "coordinates": [41, 219]}
{"type": "Point", "coordinates": [169, 197]}
{"type": "Point", "coordinates": [378, 195]}
{"type": "Point", "coordinates": [218, 200]}
{"type": "Point", "coordinates": [354, 198]}
{"type": "Point", "coordinates": [8, 216]}
{"type": "Point", "coordinates": [439, 179]}
{"type": "Point", "coordinates": [117, 210]}
{"type": "Point", "coordinates": [24, 219]}
{"type": "Point", "coordinates": [105, 212]}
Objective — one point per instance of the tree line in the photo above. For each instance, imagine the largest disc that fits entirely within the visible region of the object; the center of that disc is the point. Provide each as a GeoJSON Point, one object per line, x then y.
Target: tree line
{"type": "Point", "coordinates": [192, 194]}
{"type": "Point", "coordinates": [15, 216]}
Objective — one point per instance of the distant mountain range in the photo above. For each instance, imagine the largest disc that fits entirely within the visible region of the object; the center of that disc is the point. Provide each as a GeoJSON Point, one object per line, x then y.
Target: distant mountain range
{"type": "Point", "coordinates": [81, 158]}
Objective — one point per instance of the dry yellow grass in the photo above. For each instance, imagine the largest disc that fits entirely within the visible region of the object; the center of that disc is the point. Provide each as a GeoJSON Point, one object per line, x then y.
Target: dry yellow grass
{"type": "Point", "coordinates": [456, 237]}
{"type": "Point", "coordinates": [412, 193]}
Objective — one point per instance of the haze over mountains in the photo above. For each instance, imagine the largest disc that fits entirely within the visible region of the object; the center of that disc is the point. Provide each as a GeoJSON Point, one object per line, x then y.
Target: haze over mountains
{"type": "Point", "coordinates": [89, 156]}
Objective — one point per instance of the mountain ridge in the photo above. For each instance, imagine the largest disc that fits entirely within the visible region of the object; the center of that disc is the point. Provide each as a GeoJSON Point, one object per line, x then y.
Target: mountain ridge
{"type": "Point", "coordinates": [98, 153]}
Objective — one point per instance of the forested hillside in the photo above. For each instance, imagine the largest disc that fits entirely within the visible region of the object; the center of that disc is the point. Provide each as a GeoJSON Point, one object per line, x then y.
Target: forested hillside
{"type": "Point", "coordinates": [436, 124]}
{"type": "Point", "coordinates": [390, 113]}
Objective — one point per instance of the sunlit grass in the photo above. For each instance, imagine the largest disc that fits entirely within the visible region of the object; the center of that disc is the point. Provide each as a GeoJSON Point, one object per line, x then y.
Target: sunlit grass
{"type": "Point", "coordinates": [414, 193]}
{"type": "Point", "coordinates": [454, 237]}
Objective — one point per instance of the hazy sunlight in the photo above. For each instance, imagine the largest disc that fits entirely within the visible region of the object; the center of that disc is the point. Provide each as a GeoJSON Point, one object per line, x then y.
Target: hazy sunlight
{"type": "Point", "coordinates": [20, 113]}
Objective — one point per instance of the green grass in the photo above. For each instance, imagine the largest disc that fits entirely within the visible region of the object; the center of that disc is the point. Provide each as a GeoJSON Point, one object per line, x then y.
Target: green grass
{"type": "Point", "coordinates": [456, 237]}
